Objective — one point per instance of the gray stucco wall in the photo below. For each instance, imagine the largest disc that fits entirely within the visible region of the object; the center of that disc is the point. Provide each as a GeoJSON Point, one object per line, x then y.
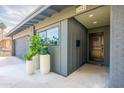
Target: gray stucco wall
{"type": "Point", "coordinates": [59, 53]}
{"type": "Point", "coordinates": [55, 51]}
{"type": "Point", "coordinates": [106, 31]}
{"type": "Point", "coordinates": [64, 47]}
{"type": "Point", "coordinates": [67, 58]}
{"type": "Point", "coordinates": [76, 55]}
{"type": "Point", "coordinates": [117, 47]}
{"type": "Point", "coordinates": [55, 58]}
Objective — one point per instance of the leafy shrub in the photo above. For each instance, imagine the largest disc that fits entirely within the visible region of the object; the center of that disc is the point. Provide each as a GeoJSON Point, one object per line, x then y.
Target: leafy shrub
{"type": "Point", "coordinates": [38, 45]}
{"type": "Point", "coordinates": [27, 56]}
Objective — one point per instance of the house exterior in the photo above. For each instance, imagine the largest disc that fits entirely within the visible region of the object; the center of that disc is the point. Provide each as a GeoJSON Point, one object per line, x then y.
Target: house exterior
{"type": "Point", "coordinates": [77, 41]}
{"type": "Point", "coordinates": [5, 45]}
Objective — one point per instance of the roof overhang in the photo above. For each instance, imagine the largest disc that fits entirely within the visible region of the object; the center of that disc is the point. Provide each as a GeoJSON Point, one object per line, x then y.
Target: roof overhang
{"type": "Point", "coordinates": [39, 14]}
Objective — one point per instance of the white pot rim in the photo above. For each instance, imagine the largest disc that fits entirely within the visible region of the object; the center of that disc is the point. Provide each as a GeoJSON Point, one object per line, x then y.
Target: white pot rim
{"type": "Point", "coordinates": [45, 54]}
{"type": "Point", "coordinates": [28, 60]}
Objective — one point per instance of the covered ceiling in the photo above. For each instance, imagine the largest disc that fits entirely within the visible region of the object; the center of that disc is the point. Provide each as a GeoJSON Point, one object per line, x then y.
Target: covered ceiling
{"type": "Point", "coordinates": [95, 18]}
{"type": "Point", "coordinates": [44, 11]}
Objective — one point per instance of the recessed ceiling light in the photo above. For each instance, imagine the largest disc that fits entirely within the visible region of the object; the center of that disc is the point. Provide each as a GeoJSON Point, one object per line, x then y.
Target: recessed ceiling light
{"type": "Point", "coordinates": [95, 22]}
{"type": "Point", "coordinates": [91, 15]}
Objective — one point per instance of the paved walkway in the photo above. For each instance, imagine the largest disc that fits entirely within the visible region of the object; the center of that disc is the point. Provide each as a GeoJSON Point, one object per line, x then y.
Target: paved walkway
{"type": "Point", "coordinates": [12, 74]}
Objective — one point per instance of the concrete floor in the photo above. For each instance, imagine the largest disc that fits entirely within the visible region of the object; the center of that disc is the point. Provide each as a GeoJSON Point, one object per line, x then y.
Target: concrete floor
{"type": "Point", "coordinates": [13, 75]}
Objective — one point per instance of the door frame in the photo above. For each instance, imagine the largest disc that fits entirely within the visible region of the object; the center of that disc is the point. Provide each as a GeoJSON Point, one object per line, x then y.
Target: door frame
{"type": "Point", "coordinates": [88, 50]}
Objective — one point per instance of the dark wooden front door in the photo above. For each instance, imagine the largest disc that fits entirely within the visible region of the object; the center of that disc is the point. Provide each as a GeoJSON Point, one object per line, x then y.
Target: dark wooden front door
{"type": "Point", "coordinates": [96, 45]}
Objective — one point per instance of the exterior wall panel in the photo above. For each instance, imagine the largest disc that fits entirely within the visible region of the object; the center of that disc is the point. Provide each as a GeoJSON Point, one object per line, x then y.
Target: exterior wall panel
{"type": "Point", "coordinates": [64, 47]}
{"type": "Point", "coordinates": [59, 53]}
{"type": "Point", "coordinates": [21, 46]}
{"type": "Point", "coordinates": [55, 58]}
{"type": "Point", "coordinates": [76, 55]}
{"type": "Point", "coordinates": [117, 47]}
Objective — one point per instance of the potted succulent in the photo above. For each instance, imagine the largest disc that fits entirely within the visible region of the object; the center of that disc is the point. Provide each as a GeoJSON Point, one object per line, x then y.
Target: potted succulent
{"type": "Point", "coordinates": [30, 69]}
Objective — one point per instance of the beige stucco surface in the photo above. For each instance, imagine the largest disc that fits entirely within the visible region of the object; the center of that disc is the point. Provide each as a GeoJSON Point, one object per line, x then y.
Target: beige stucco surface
{"type": "Point", "coordinates": [28, 31]}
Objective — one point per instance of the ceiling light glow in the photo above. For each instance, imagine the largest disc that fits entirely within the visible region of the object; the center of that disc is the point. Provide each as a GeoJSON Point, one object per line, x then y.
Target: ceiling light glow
{"type": "Point", "coordinates": [95, 22]}
{"type": "Point", "coordinates": [91, 15]}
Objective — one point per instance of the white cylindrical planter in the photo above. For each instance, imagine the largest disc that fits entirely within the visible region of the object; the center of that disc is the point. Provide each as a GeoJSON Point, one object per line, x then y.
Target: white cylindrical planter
{"type": "Point", "coordinates": [30, 67]}
{"type": "Point", "coordinates": [36, 60]}
{"type": "Point", "coordinates": [44, 64]}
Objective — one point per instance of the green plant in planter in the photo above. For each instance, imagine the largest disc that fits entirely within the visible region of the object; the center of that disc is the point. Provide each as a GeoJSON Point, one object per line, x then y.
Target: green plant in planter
{"type": "Point", "coordinates": [44, 49]}
{"type": "Point", "coordinates": [33, 48]}
{"type": "Point", "coordinates": [27, 56]}
{"type": "Point", "coordinates": [38, 45]}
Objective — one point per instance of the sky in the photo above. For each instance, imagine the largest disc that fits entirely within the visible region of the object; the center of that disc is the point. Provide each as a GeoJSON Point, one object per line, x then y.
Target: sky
{"type": "Point", "coordinates": [11, 15]}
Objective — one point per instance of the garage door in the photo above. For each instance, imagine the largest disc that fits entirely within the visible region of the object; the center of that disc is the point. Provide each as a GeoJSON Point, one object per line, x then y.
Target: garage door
{"type": "Point", "coordinates": [21, 46]}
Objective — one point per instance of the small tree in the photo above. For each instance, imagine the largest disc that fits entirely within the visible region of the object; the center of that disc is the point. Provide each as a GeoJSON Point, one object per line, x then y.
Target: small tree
{"type": "Point", "coordinates": [38, 45]}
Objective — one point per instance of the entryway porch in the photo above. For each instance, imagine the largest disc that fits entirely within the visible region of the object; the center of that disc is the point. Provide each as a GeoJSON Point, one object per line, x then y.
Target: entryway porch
{"type": "Point", "coordinates": [12, 74]}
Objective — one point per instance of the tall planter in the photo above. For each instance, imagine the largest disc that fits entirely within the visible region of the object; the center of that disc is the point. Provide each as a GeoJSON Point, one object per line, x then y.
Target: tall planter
{"type": "Point", "coordinates": [36, 60]}
{"type": "Point", "coordinates": [45, 64]}
{"type": "Point", "coordinates": [30, 67]}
